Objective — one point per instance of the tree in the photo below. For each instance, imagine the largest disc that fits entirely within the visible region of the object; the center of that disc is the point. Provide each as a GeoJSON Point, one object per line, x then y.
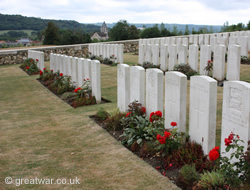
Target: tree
{"type": "Point", "coordinates": [133, 32]}
{"type": "Point", "coordinates": [151, 32]}
{"type": "Point", "coordinates": [186, 30]}
{"type": "Point", "coordinates": [162, 27]}
{"type": "Point", "coordinates": [175, 31]}
{"type": "Point", "coordinates": [120, 31]}
{"type": "Point", "coordinates": [51, 34]}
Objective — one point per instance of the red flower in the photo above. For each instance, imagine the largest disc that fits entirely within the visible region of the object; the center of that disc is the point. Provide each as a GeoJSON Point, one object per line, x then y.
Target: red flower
{"type": "Point", "coordinates": [41, 72]}
{"type": "Point", "coordinates": [27, 67]}
{"type": "Point", "coordinates": [143, 109]}
{"type": "Point", "coordinates": [77, 89]}
{"type": "Point", "coordinates": [158, 137]}
{"type": "Point", "coordinates": [162, 140]}
{"type": "Point", "coordinates": [31, 60]}
{"type": "Point", "coordinates": [44, 69]}
{"type": "Point", "coordinates": [167, 134]}
{"type": "Point", "coordinates": [170, 165]}
{"type": "Point", "coordinates": [227, 142]}
{"type": "Point", "coordinates": [158, 113]}
{"type": "Point", "coordinates": [61, 74]}
{"type": "Point", "coordinates": [52, 70]}
{"type": "Point", "coordinates": [214, 154]}
{"type": "Point", "coordinates": [173, 124]}
{"type": "Point", "coordinates": [84, 79]}
{"type": "Point", "coordinates": [231, 137]}
{"type": "Point", "coordinates": [209, 61]}
{"type": "Point", "coordinates": [37, 60]}
{"type": "Point", "coordinates": [87, 78]}
{"type": "Point", "coordinates": [128, 114]}
{"type": "Point", "coordinates": [150, 116]}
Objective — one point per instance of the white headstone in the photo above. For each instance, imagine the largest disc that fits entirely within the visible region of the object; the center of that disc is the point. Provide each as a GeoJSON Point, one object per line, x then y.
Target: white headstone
{"type": "Point", "coordinates": [233, 62]}
{"type": "Point", "coordinates": [96, 80]}
{"type": "Point", "coordinates": [148, 56]}
{"type": "Point", "coordinates": [172, 49]}
{"type": "Point", "coordinates": [219, 62]}
{"type": "Point", "coordinates": [193, 56]}
{"type": "Point", "coordinates": [243, 41]}
{"type": "Point", "coordinates": [235, 112]}
{"type": "Point", "coordinates": [87, 70]}
{"type": "Point", "coordinates": [142, 48]}
{"type": "Point", "coordinates": [201, 39]}
{"type": "Point", "coordinates": [69, 65]}
{"type": "Point", "coordinates": [154, 90]}
{"type": "Point", "coordinates": [74, 70]}
{"type": "Point", "coordinates": [164, 57]}
{"type": "Point", "coordinates": [155, 57]}
{"type": "Point", "coordinates": [172, 40]}
{"type": "Point", "coordinates": [120, 53]}
{"type": "Point", "coordinates": [207, 39]}
{"type": "Point", "coordinates": [123, 87]}
{"type": "Point", "coordinates": [191, 39]}
{"type": "Point", "coordinates": [80, 71]}
{"type": "Point", "coordinates": [202, 112]}
{"type": "Point", "coordinates": [182, 55]}
{"type": "Point", "coordinates": [205, 56]}
{"type": "Point", "coordinates": [196, 39]}
{"type": "Point", "coordinates": [137, 84]}
{"type": "Point", "coordinates": [175, 99]}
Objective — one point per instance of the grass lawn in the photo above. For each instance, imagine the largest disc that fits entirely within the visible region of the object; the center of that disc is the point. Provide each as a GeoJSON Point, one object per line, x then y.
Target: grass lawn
{"type": "Point", "coordinates": [43, 137]}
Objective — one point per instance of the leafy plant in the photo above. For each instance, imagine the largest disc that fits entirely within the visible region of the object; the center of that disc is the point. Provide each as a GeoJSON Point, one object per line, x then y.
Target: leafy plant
{"type": "Point", "coordinates": [188, 176]}
{"type": "Point", "coordinates": [69, 95]}
{"type": "Point", "coordinates": [30, 66]}
{"type": "Point", "coordinates": [62, 84]}
{"type": "Point", "coordinates": [113, 122]}
{"type": "Point", "coordinates": [47, 75]}
{"type": "Point", "coordinates": [102, 114]}
{"type": "Point", "coordinates": [185, 69]}
{"type": "Point", "coordinates": [235, 168]}
{"type": "Point", "coordinates": [209, 68]}
{"type": "Point", "coordinates": [190, 153]}
{"type": "Point", "coordinates": [140, 128]}
{"type": "Point", "coordinates": [170, 141]}
{"type": "Point", "coordinates": [147, 65]}
{"type": "Point", "coordinates": [84, 90]}
{"type": "Point", "coordinates": [212, 180]}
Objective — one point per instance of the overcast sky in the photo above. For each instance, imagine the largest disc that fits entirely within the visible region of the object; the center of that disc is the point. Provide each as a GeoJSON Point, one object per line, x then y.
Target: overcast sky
{"type": "Point", "coordinates": [208, 12]}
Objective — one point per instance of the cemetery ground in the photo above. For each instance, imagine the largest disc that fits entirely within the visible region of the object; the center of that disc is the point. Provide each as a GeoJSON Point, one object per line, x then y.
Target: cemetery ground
{"type": "Point", "coordinates": [43, 137]}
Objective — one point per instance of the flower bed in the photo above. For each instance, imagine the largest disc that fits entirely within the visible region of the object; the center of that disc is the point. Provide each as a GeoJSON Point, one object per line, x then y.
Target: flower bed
{"type": "Point", "coordinates": [172, 154]}
{"type": "Point", "coordinates": [62, 86]}
{"type": "Point", "coordinates": [106, 61]}
{"type": "Point", "coordinates": [30, 66]}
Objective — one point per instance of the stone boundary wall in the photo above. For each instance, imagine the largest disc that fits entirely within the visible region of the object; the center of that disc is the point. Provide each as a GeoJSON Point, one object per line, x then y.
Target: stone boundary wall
{"type": "Point", "coordinates": [11, 57]}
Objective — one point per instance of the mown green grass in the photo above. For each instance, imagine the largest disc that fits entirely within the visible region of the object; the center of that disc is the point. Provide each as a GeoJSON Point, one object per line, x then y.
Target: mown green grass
{"type": "Point", "coordinates": [43, 137]}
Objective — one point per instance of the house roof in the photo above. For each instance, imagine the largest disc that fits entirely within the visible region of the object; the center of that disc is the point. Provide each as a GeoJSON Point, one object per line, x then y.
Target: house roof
{"type": "Point", "coordinates": [101, 34]}
{"type": "Point", "coordinates": [24, 40]}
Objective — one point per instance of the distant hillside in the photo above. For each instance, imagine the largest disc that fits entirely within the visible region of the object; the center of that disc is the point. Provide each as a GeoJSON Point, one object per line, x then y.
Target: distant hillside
{"type": "Point", "coordinates": [19, 22]}
{"type": "Point", "coordinates": [180, 27]}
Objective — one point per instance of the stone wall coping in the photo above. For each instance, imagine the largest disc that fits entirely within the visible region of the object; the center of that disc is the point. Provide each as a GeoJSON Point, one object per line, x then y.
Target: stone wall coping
{"type": "Point", "coordinates": [76, 46]}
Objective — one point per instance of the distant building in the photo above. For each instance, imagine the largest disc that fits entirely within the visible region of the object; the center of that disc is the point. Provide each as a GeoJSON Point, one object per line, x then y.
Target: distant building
{"type": "Point", "coordinates": [103, 35]}
{"type": "Point", "coordinates": [24, 41]}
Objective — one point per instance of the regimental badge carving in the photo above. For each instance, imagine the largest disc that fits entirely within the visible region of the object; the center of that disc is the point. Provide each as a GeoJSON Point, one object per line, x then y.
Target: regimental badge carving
{"type": "Point", "coordinates": [235, 100]}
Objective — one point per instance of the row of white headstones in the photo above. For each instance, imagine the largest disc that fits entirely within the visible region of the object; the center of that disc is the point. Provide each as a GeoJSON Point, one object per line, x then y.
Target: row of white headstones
{"type": "Point", "coordinates": [37, 55]}
{"type": "Point", "coordinates": [168, 52]}
{"type": "Point", "coordinates": [107, 51]}
{"type": "Point", "coordinates": [149, 91]}
{"type": "Point", "coordinates": [79, 69]}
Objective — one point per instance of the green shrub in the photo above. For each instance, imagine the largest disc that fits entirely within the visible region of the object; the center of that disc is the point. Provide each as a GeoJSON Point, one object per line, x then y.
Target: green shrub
{"type": "Point", "coordinates": [188, 176]}
{"type": "Point", "coordinates": [190, 153]}
{"type": "Point", "coordinates": [212, 180]}
{"type": "Point", "coordinates": [185, 69]}
{"type": "Point", "coordinates": [62, 84]}
{"type": "Point", "coordinates": [113, 122]}
{"type": "Point", "coordinates": [69, 95]}
{"type": "Point", "coordinates": [102, 114]}
{"type": "Point", "coordinates": [30, 66]}
{"type": "Point", "coordinates": [147, 65]}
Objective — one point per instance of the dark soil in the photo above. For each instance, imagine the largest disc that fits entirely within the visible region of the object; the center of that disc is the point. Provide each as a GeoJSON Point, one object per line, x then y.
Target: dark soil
{"type": "Point", "coordinates": [155, 159]}
{"type": "Point", "coordinates": [246, 62]}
